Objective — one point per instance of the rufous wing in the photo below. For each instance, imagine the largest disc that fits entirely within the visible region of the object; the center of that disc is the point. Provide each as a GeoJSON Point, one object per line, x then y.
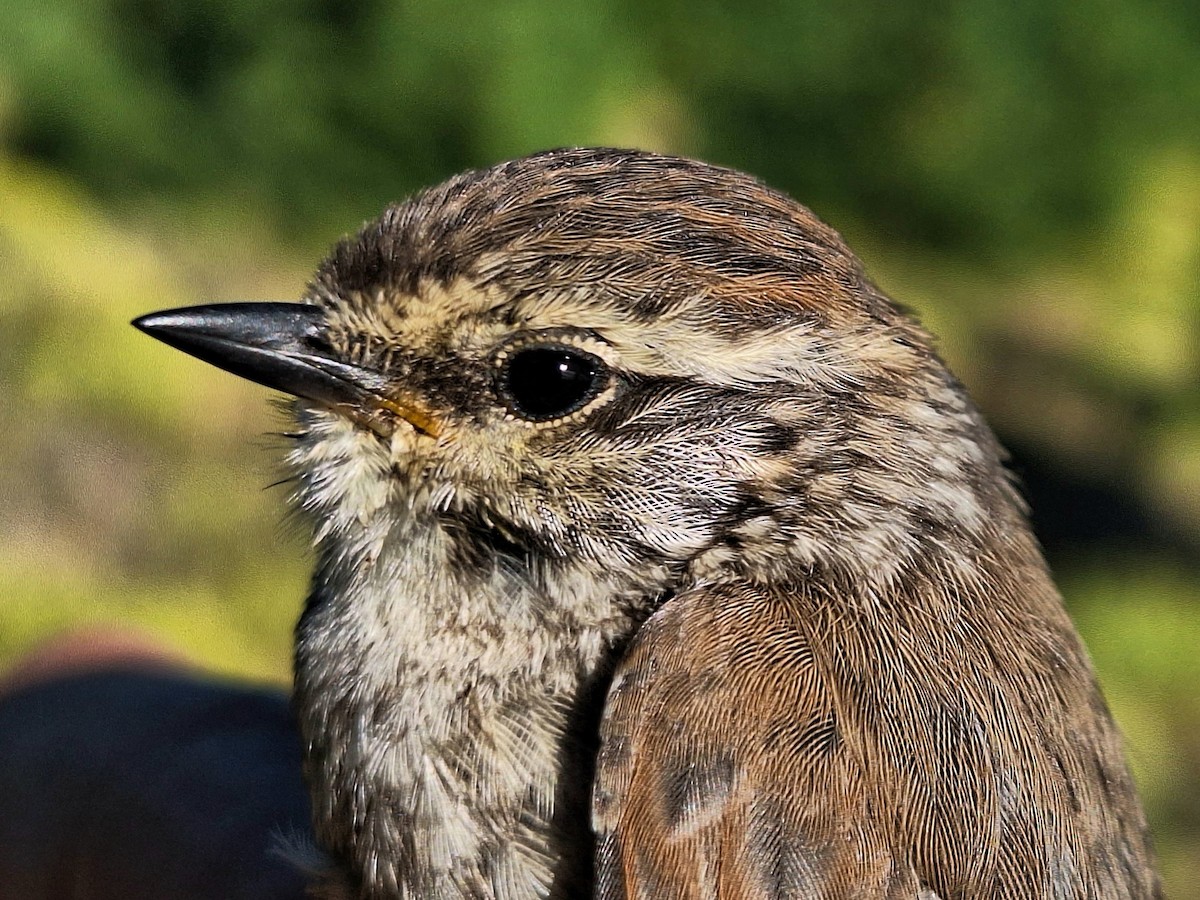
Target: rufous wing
{"type": "Point", "coordinates": [722, 771]}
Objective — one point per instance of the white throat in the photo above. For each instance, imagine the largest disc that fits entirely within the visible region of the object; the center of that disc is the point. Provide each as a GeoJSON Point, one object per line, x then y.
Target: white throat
{"type": "Point", "coordinates": [440, 703]}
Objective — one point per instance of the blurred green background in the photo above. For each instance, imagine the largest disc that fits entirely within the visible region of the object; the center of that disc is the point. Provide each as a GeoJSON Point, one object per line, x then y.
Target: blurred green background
{"type": "Point", "coordinates": [1025, 175]}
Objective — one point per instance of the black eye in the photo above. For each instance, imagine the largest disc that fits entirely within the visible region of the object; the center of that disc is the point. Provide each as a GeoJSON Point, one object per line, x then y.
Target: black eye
{"type": "Point", "coordinates": [549, 382]}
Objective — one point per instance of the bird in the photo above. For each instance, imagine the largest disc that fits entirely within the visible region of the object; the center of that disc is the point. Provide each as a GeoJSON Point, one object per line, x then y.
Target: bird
{"type": "Point", "coordinates": [658, 554]}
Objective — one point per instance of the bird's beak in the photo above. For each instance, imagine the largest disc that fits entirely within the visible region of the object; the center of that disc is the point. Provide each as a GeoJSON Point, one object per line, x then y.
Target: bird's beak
{"type": "Point", "coordinates": [281, 345]}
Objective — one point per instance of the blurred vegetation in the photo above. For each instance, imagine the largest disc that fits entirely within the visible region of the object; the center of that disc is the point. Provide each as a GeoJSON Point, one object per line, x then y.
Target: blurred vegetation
{"type": "Point", "coordinates": [1026, 175]}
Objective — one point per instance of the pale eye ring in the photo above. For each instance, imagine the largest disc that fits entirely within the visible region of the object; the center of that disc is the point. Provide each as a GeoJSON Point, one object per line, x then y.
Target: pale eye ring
{"type": "Point", "coordinates": [540, 382]}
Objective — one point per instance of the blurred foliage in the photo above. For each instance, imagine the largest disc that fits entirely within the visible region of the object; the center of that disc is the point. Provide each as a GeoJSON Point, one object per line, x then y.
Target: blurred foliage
{"type": "Point", "coordinates": [1026, 175]}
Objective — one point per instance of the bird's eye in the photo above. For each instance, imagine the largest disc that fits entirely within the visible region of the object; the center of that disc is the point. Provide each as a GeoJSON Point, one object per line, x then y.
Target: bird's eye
{"type": "Point", "coordinates": [548, 382]}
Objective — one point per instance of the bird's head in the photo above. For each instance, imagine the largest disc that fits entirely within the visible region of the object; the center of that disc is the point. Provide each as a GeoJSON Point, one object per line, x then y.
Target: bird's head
{"type": "Point", "coordinates": [616, 361]}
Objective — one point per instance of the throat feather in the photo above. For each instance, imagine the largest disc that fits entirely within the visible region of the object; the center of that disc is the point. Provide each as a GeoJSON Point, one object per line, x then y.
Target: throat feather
{"type": "Point", "coordinates": [441, 705]}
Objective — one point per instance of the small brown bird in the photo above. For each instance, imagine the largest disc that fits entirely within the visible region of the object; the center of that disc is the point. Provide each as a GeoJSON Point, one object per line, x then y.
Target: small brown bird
{"type": "Point", "coordinates": [660, 556]}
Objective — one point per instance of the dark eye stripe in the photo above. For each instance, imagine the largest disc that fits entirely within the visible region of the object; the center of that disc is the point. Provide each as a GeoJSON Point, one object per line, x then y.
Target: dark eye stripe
{"type": "Point", "coordinates": [550, 381]}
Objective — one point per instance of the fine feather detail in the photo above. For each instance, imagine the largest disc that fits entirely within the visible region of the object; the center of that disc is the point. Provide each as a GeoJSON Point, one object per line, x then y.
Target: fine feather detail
{"type": "Point", "coordinates": [755, 744]}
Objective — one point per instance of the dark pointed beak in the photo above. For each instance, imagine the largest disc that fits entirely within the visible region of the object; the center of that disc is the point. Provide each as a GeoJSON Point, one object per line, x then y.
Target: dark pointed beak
{"type": "Point", "coordinates": [281, 345]}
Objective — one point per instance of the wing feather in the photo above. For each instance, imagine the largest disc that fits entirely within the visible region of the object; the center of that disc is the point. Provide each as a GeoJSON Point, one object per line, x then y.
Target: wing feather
{"type": "Point", "coordinates": [722, 771]}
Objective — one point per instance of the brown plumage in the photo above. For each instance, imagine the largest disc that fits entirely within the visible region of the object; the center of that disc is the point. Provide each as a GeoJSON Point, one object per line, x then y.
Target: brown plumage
{"type": "Point", "coordinates": [598, 414]}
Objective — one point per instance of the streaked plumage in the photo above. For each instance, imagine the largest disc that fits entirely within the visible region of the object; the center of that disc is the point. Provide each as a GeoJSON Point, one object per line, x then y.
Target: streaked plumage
{"type": "Point", "coordinates": [841, 668]}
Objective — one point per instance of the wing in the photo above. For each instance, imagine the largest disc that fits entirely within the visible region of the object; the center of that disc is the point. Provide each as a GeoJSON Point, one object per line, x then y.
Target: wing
{"type": "Point", "coordinates": [722, 771]}
{"type": "Point", "coordinates": [893, 761]}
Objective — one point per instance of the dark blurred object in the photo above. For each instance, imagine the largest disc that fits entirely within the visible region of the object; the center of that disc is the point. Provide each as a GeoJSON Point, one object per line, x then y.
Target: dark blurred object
{"type": "Point", "coordinates": [123, 774]}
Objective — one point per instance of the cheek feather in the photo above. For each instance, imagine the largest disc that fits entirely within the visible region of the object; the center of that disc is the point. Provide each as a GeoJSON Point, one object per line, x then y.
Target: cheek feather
{"type": "Point", "coordinates": [342, 470]}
